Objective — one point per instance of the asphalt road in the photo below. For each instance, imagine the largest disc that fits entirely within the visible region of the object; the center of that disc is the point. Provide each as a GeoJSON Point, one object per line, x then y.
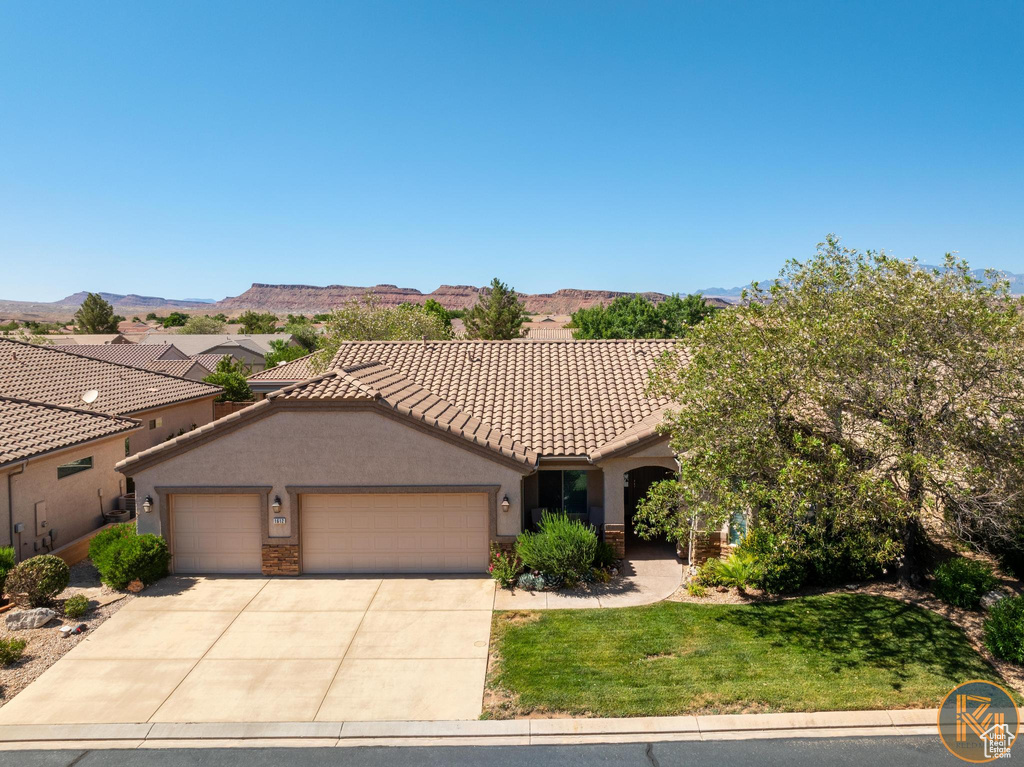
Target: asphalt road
{"type": "Point", "coordinates": [834, 752]}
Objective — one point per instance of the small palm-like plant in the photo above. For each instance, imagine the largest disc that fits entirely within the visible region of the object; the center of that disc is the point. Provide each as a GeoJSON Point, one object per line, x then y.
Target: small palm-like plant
{"type": "Point", "coordinates": [737, 571]}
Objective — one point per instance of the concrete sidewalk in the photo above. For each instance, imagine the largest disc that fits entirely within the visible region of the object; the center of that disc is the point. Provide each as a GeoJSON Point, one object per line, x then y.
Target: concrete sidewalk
{"type": "Point", "coordinates": [513, 732]}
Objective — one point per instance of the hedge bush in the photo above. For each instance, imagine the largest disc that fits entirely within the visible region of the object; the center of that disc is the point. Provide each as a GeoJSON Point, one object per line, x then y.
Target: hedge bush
{"type": "Point", "coordinates": [105, 541]}
{"type": "Point", "coordinates": [76, 606]}
{"type": "Point", "coordinates": [137, 557]}
{"type": "Point", "coordinates": [605, 555]}
{"type": "Point", "coordinates": [562, 547]}
{"type": "Point", "coordinates": [7, 563]}
{"type": "Point", "coordinates": [777, 567]}
{"type": "Point", "coordinates": [11, 650]}
{"type": "Point", "coordinates": [37, 580]}
{"type": "Point", "coordinates": [1004, 629]}
{"type": "Point", "coordinates": [963, 582]}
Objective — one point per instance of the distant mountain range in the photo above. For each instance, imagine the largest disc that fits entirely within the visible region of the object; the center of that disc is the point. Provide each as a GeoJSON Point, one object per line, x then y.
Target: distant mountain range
{"type": "Point", "coordinates": [312, 298]}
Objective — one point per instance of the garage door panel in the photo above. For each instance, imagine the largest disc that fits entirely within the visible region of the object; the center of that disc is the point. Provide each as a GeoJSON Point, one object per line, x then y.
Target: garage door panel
{"type": "Point", "coordinates": [216, 533]}
{"type": "Point", "coordinates": [394, 532]}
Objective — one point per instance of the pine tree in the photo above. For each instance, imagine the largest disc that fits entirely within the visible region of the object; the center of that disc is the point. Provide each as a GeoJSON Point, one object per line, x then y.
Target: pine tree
{"type": "Point", "coordinates": [497, 316]}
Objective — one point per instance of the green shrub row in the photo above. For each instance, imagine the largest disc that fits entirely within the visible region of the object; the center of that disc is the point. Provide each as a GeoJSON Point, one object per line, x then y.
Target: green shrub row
{"type": "Point", "coordinates": [122, 555]}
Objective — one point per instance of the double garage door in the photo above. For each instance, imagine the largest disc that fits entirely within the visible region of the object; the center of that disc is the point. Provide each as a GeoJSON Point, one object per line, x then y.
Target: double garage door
{"type": "Point", "coordinates": [340, 533]}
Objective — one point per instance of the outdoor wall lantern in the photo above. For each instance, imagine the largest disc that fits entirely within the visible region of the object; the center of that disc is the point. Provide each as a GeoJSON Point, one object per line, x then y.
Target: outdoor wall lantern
{"type": "Point", "coordinates": [276, 505]}
{"type": "Point", "coordinates": [505, 504]}
{"type": "Point", "coordinates": [147, 504]}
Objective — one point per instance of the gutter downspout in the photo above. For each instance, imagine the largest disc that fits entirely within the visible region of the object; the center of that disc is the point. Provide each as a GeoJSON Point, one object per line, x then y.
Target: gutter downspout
{"type": "Point", "coordinates": [10, 508]}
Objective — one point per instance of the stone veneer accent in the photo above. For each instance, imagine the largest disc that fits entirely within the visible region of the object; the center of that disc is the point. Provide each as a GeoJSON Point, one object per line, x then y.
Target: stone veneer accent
{"type": "Point", "coordinates": [281, 559]}
{"type": "Point", "coordinates": [616, 536]}
{"type": "Point", "coordinates": [708, 545]}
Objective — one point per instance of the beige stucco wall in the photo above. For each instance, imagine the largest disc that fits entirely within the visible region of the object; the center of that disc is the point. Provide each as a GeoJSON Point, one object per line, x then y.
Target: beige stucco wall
{"type": "Point", "coordinates": [73, 504]}
{"type": "Point", "coordinates": [615, 469]}
{"type": "Point", "coordinates": [175, 417]}
{"type": "Point", "coordinates": [327, 448]}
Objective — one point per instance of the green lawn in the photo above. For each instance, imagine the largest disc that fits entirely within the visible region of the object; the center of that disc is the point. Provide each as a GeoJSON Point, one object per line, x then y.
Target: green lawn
{"type": "Point", "coordinates": [837, 652]}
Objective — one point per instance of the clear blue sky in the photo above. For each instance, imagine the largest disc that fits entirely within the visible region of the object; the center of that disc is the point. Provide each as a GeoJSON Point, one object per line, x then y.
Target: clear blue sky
{"type": "Point", "coordinates": [187, 149]}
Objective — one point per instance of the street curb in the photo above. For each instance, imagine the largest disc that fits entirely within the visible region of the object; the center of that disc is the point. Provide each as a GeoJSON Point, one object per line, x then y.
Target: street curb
{"type": "Point", "coordinates": [473, 732]}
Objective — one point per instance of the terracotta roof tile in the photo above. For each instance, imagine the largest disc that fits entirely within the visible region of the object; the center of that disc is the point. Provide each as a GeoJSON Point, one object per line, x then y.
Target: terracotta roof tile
{"type": "Point", "coordinates": [45, 374]}
{"type": "Point", "coordinates": [560, 398]}
{"type": "Point", "coordinates": [297, 370]}
{"type": "Point", "coordinates": [136, 355]}
{"type": "Point", "coordinates": [31, 428]}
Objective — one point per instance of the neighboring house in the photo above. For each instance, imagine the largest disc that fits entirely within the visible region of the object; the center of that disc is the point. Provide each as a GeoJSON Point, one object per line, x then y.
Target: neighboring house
{"type": "Point", "coordinates": [165, 404]}
{"type": "Point", "coordinates": [136, 355]}
{"type": "Point", "coordinates": [192, 369]}
{"type": "Point", "coordinates": [411, 457]}
{"type": "Point", "coordinates": [128, 327]}
{"type": "Point", "coordinates": [248, 349]}
{"type": "Point", "coordinates": [87, 339]}
{"type": "Point", "coordinates": [539, 333]}
{"type": "Point", "coordinates": [57, 473]}
{"type": "Point", "coordinates": [281, 375]}
{"type": "Point", "coordinates": [165, 358]}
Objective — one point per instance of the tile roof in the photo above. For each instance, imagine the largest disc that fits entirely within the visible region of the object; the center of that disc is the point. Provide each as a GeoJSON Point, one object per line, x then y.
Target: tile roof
{"type": "Point", "coordinates": [560, 398]}
{"type": "Point", "coordinates": [180, 368]}
{"type": "Point", "coordinates": [29, 428]}
{"type": "Point", "coordinates": [296, 370]}
{"type": "Point", "coordinates": [643, 429]}
{"type": "Point", "coordinates": [548, 334]}
{"type": "Point", "coordinates": [45, 374]}
{"type": "Point", "coordinates": [86, 338]}
{"type": "Point", "coordinates": [199, 344]}
{"type": "Point", "coordinates": [136, 355]}
{"type": "Point", "coordinates": [377, 385]}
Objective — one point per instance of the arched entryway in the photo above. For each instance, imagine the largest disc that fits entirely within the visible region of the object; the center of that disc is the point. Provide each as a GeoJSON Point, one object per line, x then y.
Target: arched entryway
{"type": "Point", "coordinates": [637, 482]}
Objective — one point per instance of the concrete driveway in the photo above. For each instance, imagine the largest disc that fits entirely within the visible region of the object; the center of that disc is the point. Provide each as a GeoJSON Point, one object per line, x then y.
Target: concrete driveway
{"type": "Point", "coordinates": [223, 649]}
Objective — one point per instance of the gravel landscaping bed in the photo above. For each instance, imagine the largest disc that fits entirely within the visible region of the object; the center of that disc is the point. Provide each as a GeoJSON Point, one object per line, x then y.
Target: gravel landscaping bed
{"type": "Point", "coordinates": [46, 644]}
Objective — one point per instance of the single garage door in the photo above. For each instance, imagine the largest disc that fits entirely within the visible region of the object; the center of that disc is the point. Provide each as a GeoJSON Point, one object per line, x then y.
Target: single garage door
{"type": "Point", "coordinates": [216, 534]}
{"type": "Point", "coordinates": [395, 533]}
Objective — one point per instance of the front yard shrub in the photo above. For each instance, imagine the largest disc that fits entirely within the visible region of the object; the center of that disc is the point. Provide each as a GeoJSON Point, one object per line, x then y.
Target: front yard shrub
{"type": "Point", "coordinates": [778, 568]}
{"type": "Point", "coordinates": [36, 581]}
{"type": "Point", "coordinates": [604, 557]}
{"type": "Point", "coordinates": [106, 540]}
{"type": "Point", "coordinates": [695, 589]}
{"type": "Point", "coordinates": [1004, 629]}
{"type": "Point", "coordinates": [505, 566]}
{"type": "Point", "coordinates": [737, 571]}
{"type": "Point", "coordinates": [139, 557]}
{"type": "Point", "coordinates": [76, 606]}
{"type": "Point", "coordinates": [531, 582]}
{"type": "Point", "coordinates": [11, 649]}
{"type": "Point", "coordinates": [963, 582]}
{"type": "Point", "coordinates": [7, 563]}
{"type": "Point", "coordinates": [561, 547]}
{"type": "Point", "coordinates": [709, 573]}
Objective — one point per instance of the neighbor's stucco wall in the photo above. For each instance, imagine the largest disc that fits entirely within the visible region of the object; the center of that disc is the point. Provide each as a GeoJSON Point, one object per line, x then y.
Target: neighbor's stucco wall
{"type": "Point", "coordinates": [175, 418]}
{"type": "Point", "coordinates": [74, 504]}
{"type": "Point", "coordinates": [327, 448]}
{"type": "Point", "coordinates": [615, 470]}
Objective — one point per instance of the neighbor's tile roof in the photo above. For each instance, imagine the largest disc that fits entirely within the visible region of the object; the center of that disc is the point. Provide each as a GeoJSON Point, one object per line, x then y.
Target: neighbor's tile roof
{"type": "Point", "coordinates": [296, 370]}
{"type": "Point", "coordinates": [258, 343]}
{"type": "Point", "coordinates": [31, 428]}
{"type": "Point", "coordinates": [548, 334]}
{"type": "Point", "coordinates": [136, 355]}
{"type": "Point", "coordinates": [560, 398]}
{"type": "Point", "coordinates": [45, 374]}
{"type": "Point", "coordinates": [178, 368]}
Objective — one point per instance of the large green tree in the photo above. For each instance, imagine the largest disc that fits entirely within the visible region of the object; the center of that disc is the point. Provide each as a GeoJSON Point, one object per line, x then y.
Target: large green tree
{"type": "Point", "coordinates": [639, 317]}
{"type": "Point", "coordinates": [197, 325]}
{"type": "Point", "coordinates": [367, 320]}
{"type": "Point", "coordinates": [231, 375]}
{"type": "Point", "coordinates": [258, 322]}
{"type": "Point", "coordinates": [858, 392]}
{"type": "Point", "coordinates": [96, 316]}
{"type": "Point", "coordinates": [498, 314]}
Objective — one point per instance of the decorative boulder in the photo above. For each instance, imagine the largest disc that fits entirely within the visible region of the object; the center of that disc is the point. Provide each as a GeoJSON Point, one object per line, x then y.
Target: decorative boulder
{"type": "Point", "coordinates": [991, 598]}
{"type": "Point", "coordinates": [29, 619]}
